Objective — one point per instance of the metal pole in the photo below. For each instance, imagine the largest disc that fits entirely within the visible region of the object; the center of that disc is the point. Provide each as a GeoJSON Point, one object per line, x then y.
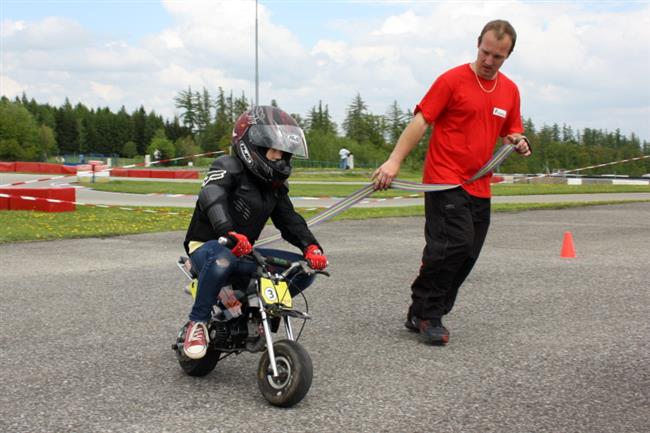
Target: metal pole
{"type": "Point", "coordinates": [257, 78]}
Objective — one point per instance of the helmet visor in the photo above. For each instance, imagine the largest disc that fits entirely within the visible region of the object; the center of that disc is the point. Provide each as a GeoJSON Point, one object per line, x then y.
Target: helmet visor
{"type": "Point", "coordinates": [287, 138]}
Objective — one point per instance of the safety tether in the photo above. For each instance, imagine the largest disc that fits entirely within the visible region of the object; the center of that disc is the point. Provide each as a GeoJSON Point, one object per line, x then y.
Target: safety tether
{"type": "Point", "coordinates": [349, 201]}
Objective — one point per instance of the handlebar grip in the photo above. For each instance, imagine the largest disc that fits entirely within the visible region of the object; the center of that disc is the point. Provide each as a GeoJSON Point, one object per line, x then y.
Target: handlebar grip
{"type": "Point", "coordinates": [226, 241]}
{"type": "Point", "coordinates": [276, 261]}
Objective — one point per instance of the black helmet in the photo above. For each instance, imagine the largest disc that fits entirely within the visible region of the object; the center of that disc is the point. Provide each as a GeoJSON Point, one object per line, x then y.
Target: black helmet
{"type": "Point", "coordinates": [262, 128]}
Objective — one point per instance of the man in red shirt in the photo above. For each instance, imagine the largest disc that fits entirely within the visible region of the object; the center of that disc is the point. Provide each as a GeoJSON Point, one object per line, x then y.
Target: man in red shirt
{"type": "Point", "coordinates": [469, 107]}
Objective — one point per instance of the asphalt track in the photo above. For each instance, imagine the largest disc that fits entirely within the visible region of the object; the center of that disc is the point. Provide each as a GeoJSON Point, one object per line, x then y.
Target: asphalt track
{"type": "Point", "coordinates": [539, 343]}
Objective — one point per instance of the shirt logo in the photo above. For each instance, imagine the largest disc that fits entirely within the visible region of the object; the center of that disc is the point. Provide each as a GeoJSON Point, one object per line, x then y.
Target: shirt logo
{"type": "Point", "coordinates": [499, 112]}
{"type": "Point", "coordinates": [214, 175]}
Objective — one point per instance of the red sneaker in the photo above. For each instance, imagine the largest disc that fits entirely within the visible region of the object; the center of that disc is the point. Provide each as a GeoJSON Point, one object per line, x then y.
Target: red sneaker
{"type": "Point", "coordinates": [196, 341]}
{"type": "Point", "coordinates": [433, 331]}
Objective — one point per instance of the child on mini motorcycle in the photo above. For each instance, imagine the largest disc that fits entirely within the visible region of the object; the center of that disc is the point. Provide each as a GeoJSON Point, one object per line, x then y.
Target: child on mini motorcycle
{"type": "Point", "coordinates": [239, 194]}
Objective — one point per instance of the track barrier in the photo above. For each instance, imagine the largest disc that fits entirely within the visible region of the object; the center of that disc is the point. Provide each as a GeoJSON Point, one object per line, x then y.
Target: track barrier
{"type": "Point", "coordinates": [40, 199]}
{"type": "Point", "coordinates": [98, 167]}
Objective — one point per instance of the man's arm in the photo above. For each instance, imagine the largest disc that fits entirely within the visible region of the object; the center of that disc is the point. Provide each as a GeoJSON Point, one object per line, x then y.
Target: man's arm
{"type": "Point", "coordinates": [410, 137]}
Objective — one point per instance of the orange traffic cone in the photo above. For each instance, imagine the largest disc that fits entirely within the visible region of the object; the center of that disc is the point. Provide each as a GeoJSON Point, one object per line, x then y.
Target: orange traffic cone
{"type": "Point", "coordinates": [568, 249]}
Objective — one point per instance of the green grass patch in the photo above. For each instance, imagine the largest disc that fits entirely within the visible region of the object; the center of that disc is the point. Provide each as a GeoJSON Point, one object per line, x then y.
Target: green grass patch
{"type": "Point", "coordinates": [103, 222]}
{"type": "Point", "coordinates": [342, 190]}
{"type": "Point", "coordinates": [356, 175]}
{"type": "Point", "coordinates": [192, 188]}
{"type": "Point", "coordinates": [410, 211]}
{"type": "Point", "coordinates": [146, 187]}
{"type": "Point", "coordinates": [504, 189]}
{"type": "Point", "coordinates": [89, 222]}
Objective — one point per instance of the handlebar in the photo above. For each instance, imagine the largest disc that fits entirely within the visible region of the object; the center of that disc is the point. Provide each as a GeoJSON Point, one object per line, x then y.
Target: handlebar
{"type": "Point", "coordinates": [274, 261]}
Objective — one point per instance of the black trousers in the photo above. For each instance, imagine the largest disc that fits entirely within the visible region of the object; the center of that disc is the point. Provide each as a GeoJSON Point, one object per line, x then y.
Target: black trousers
{"type": "Point", "coordinates": [456, 225]}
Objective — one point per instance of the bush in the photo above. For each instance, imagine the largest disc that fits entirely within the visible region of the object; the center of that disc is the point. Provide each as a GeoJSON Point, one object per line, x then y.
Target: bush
{"type": "Point", "coordinates": [185, 147]}
{"type": "Point", "coordinates": [21, 138]}
{"type": "Point", "coordinates": [130, 149]}
{"type": "Point", "coordinates": [162, 143]}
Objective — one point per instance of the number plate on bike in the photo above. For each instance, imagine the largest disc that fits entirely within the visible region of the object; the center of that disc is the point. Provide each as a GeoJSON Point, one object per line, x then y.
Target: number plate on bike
{"type": "Point", "coordinates": [275, 293]}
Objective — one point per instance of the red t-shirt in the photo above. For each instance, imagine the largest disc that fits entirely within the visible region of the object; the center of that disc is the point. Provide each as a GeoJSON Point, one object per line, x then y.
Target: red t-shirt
{"type": "Point", "coordinates": [467, 122]}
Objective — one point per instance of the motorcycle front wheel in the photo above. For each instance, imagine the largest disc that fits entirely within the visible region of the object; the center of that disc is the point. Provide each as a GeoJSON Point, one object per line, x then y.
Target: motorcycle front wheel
{"type": "Point", "coordinates": [295, 373]}
{"type": "Point", "coordinates": [195, 367]}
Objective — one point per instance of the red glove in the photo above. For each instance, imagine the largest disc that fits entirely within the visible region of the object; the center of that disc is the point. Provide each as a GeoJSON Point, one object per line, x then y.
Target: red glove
{"type": "Point", "coordinates": [242, 245]}
{"type": "Point", "coordinates": [317, 260]}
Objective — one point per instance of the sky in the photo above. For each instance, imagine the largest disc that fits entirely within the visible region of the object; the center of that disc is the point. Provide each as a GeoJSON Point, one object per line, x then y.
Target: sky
{"type": "Point", "coordinates": [579, 63]}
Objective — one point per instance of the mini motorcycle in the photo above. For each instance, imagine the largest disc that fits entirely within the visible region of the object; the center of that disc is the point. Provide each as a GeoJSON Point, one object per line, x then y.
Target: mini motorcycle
{"type": "Point", "coordinates": [249, 310]}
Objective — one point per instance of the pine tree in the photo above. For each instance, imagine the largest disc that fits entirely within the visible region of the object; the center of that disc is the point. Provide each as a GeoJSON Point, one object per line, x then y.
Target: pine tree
{"type": "Point", "coordinates": [395, 122]}
{"type": "Point", "coordinates": [185, 102]}
{"type": "Point", "coordinates": [124, 130]}
{"type": "Point", "coordinates": [240, 105]}
{"type": "Point", "coordinates": [320, 120]}
{"type": "Point", "coordinates": [139, 119]}
{"type": "Point", "coordinates": [354, 123]}
{"type": "Point", "coordinates": [567, 134]}
{"type": "Point", "coordinates": [203, 107]}
{"type": "Point", "coordinates": [67, 134]}
{"type": "Point", "coordinates": [222, 118]}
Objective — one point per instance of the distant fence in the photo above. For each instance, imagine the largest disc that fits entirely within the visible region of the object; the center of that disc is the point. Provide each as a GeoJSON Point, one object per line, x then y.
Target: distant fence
{"type": "Point", "coordinates": [311, 163]}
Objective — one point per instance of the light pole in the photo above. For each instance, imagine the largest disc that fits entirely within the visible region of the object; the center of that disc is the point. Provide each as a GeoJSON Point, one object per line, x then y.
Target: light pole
{"type": "Point", "coordinates": [257, 78]}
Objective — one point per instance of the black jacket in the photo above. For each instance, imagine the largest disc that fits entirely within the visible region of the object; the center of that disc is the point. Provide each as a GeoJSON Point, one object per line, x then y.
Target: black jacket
{"type": "Point", "coordinates": [234, 199]}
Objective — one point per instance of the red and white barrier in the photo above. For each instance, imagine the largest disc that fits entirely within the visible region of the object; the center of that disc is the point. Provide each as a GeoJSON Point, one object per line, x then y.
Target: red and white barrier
{"type": "Point", "coordinates": [41, 199]}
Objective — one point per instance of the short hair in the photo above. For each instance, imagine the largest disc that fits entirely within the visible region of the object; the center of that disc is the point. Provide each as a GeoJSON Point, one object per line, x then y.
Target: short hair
{"type": "Point", "coordinates": [500, 29]}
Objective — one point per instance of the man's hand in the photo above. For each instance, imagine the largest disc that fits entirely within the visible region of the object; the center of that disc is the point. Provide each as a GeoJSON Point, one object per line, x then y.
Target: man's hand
{"type": "Point", "coordinates": [384, 175]}
{"type": "Point", "coordinates": [242, 245]}
{"type": "Point", "coordinates": [521, 143]}
{"type": "Point", "coordinates": [315, 257]}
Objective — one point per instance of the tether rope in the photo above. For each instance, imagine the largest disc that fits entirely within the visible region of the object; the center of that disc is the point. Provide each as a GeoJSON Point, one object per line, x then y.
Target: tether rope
{"type": "Point", "coordinates": [349, 201]}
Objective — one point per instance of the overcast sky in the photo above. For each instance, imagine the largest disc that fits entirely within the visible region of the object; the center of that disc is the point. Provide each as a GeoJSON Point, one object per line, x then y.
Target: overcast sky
{"type": "Point", "coordinates": [586, 64]}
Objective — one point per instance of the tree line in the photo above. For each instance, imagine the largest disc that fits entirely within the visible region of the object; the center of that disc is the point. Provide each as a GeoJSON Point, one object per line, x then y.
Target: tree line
{"type": "Point", "coordinates": [31, 131]}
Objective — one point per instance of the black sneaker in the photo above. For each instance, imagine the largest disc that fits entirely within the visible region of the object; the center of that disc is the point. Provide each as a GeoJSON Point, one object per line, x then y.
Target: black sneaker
{"type": "Point", "coordinates": [433, 331]}
{"type": "Point", "coordinates": [412, 324]}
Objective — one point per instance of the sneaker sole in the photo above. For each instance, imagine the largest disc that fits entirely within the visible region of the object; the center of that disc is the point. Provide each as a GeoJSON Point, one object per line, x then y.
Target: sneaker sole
{"type": "Point", "coordinates": [195, 356]}
{"type": "Point", "coordinates": [435, 341]}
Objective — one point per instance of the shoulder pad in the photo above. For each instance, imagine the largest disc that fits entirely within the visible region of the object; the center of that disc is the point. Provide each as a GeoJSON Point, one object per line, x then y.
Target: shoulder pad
{"type": "Point", "coordinates": [223, 167]}
{"type": "Point", "coordinates": [229, 163]}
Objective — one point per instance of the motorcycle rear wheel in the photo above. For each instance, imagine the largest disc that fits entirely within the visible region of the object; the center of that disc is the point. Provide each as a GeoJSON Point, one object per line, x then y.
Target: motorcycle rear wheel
{"type": "Point", "coordinates": [196, 367]}
{"type": "Point", "coordinates": [295, 372]}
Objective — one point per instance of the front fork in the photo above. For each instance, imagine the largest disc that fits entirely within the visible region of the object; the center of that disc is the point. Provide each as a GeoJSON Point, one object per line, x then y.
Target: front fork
{"type": "Point", "coordinates": [269, 337]}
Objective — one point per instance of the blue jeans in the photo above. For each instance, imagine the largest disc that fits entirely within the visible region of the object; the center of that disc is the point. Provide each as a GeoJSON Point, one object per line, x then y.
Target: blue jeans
{"type": "Point", "coordinates": [343, 164]}
{"type": "Point", "coordinates": [216, 264]}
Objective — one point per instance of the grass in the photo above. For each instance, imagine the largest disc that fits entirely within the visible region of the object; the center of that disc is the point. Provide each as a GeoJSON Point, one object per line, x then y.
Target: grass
{"type": "Point", "coordinates": [342, 190]}
{"type": "Point", "coordinates": [504, 189]}
{"type": "Point", "coordinates": [87, 222]}
{"type": "Point", "coordinates": [297, 190]}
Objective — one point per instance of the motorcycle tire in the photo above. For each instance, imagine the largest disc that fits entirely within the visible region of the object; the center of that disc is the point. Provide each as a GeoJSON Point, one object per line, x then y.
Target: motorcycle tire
{"type": "Point", "coordinates": [196, 367]}
{"type": "Point", "coordinates": [295, 372]}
